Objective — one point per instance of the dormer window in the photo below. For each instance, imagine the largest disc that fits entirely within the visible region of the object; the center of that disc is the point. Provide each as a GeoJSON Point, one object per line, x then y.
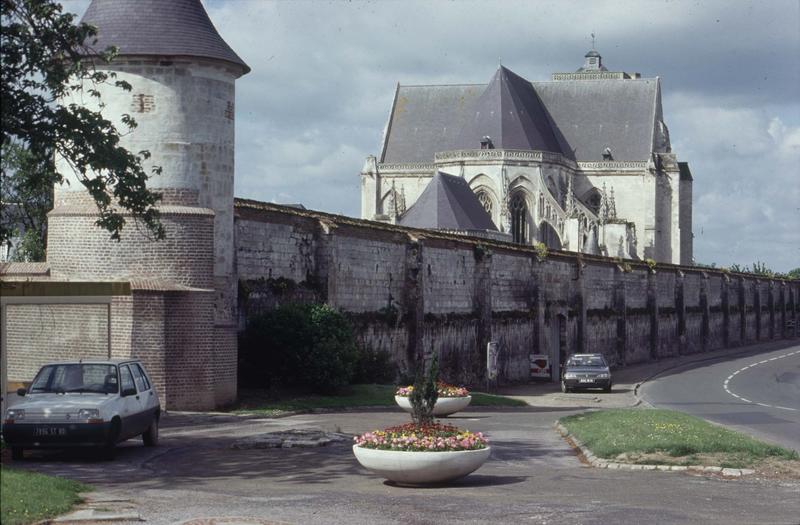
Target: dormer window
{"type": "Point", "coordinates": [607, 154]}
{"type": "Point", "coordinates": [486, 142]}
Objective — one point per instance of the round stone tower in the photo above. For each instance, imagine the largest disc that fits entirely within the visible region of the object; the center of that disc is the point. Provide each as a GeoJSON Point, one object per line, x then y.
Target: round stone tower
{"type": "Point", "coordinates": [182, 75]}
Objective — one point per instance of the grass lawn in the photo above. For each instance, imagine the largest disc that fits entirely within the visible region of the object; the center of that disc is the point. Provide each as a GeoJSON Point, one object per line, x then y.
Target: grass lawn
{"type": "Point", "coordinates": [665, 436]}
{"type": "Point", "coordinates": [27, 497]}
{"type": "Point", "coordinates": [256, 401]}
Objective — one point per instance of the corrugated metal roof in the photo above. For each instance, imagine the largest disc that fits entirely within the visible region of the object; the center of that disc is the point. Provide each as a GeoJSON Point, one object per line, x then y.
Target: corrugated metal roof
{"type": "Point", "coordinates": [585, 116]}
{"type": "Point", "coordinates": [25, 269]}
{"type": "Point", "coordinates": [447, 203]}
{"type": "Point", "coordinates": [158, 27]}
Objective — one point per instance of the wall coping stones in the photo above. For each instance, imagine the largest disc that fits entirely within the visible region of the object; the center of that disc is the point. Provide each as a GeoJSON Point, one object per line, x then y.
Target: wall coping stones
{"type": "Point", "coordinates": [468, 242]}
{"type": "Point", "coordinates": [604, 463]}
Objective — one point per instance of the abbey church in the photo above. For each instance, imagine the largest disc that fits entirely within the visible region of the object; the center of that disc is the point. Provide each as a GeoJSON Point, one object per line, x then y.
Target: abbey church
{"type": "Point", "coordinates": [582, 163]}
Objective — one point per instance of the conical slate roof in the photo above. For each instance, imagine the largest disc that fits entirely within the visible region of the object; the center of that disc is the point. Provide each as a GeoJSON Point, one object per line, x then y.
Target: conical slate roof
{"type": "Point", "coordinates": [447, 203]}
{"type": "Point", "coordinates": [510, 112]}
{"type": "Point", "coordinates": [158, 27]}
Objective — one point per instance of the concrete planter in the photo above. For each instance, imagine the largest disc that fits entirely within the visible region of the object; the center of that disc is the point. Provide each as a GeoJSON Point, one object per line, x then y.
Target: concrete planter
{"type": "Point", "coordinates": [421, 468]}
{"type": "Point", "coordinates": [444, 405]}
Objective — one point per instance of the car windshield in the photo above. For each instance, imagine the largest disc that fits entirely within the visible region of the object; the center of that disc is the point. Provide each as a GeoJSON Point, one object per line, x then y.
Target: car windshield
{"type": "Point", "coordinates": [587, 360]}
{"type": "Point", "coordinates": [76, 378]}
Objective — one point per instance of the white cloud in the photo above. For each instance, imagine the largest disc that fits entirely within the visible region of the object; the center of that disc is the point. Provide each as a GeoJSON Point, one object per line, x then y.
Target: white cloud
{"type": "Point", "coordinates": [324, 73]}
{"type": "Point", "coordinates": [746, 180]}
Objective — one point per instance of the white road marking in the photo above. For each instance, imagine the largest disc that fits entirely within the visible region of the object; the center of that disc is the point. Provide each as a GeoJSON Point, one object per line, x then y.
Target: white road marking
{"type": "Point", "coordinates": [728, 379]}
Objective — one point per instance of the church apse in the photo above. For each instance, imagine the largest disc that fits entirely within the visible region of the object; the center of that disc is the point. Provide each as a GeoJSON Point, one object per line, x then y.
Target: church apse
{"type": "Point", "coordinates": [572, 158]}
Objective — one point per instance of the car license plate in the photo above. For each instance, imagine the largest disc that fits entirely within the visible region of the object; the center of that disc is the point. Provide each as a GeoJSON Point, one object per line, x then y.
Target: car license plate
{"type": "Point", "coordinates": [586, 380]}
{"type": "Point", "coordinates": [49, 431]}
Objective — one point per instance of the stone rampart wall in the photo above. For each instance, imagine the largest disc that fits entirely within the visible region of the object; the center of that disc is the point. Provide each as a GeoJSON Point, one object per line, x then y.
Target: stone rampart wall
{"type": "Point", "coordinates": [414, 292]}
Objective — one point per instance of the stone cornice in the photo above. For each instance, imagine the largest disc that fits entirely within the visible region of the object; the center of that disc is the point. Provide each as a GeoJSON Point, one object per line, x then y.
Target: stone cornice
{"type": "Point", "coordinates": [500, 155]}
{"type": "Point", "coordinates": [406, 167]}
{"type": "Point", "coordinates": [612, 165]}
{"type": "Point", "coordinates": [483, 156]}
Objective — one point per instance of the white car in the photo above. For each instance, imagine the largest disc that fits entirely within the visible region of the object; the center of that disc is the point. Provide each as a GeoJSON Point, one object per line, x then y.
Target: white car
{"type": "Point", "coordinates": [84, 403]}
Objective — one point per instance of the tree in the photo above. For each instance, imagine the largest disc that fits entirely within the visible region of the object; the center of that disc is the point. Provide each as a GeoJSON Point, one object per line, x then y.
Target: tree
{"type": "Point", "coordinates": [794, 274]}
{"type": "Point", "coordinates": [26, 199]}
{"type": "Point", "coordinates": [45, 57]}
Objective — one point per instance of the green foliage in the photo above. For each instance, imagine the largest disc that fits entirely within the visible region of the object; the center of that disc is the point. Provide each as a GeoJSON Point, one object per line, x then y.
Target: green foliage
{"type": "Point", "coordinates": [541, 251]}
{"type": "Point", "coordinates": [651, 264]}
{"type": "Point", "coordinates": [46, 60]}
{"type": "Point", "coordinates": [624, 266]}
{"type": "Point", "coordinates": [28, 497]}
{"type": "Point", "coordinates": [374, 367]}
{"type": "Point", "coordinates": [761, 269]}
{"type": "Point", "coordinates": [609, 433]}
{"type": "Point", "coordinates": [30, 248]}
{"type": "Point", "coordinates": [25, 199]}
{"type": "Point", "coordinates": [481, 251]}
{"type": "Point", "coordinates": [310, 346]}
{"type": "Point", "coordinates": [424, 396]}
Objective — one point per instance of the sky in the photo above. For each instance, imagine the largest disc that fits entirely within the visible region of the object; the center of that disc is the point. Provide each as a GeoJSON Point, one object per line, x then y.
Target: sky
{"type": "Point", "coordinates": [323, 77]}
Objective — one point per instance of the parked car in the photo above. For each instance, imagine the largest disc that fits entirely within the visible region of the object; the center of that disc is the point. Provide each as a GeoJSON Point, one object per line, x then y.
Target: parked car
{"type": "Point", "coordinates": [583, 371]}
{"type": "Point", "coordinates": [84, 403]}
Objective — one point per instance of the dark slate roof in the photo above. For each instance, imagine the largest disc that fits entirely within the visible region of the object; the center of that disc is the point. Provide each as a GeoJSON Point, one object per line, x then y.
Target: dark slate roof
{"type": "Point", "coordinates": [427, 119]}
{"type": "Point", "coordinates": [511, 114]}
{"type": "Point", "coordinates": [594, 114]}
{"type": "Point", "coordinates": [585, 116]}
{"type": "Point", "coordinates": [158, 27]}
{"type": "Point", "coordinates": [447, 203]}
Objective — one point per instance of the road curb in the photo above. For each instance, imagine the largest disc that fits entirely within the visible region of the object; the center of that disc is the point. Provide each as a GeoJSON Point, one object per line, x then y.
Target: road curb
{"type": "Point", "coordinates": [596, 462]}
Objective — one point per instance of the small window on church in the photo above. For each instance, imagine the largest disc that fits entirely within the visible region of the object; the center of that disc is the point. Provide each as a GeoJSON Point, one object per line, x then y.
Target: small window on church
{"type": "Point", "coordinates": [592, 60]}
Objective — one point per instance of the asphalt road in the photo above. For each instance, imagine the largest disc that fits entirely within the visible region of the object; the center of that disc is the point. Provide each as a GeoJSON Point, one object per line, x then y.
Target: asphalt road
{"type": "Point", "coordinates": [756, 392]}
{"type": "Point", "coordinates": [533, 476]}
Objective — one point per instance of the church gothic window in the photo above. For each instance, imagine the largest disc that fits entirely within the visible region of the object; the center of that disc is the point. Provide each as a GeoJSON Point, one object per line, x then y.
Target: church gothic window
{"type": "Point", "coordinates": [486, 201]}
{"type": "Point", "coordinates": [519, 218]}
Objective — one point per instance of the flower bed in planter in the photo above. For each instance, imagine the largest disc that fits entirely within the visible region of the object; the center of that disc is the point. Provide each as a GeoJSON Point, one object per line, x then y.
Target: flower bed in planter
{"type": "Point", "coordinates": [451, 399]}
{"type": "Point", "coordinates": [411, 455]}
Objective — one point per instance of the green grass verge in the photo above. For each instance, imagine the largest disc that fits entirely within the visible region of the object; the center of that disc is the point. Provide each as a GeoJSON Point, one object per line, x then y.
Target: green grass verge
{"type": "Point", "coordinates": [354, 396]}
{"type": "Point", "coordinates": [27, 497]}
{"type": "Point", "coordinates": [609, 433]}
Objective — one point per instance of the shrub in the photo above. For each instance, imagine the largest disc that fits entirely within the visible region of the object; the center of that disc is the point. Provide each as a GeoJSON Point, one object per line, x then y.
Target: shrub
{"type": "Point", "coordinates": [424, 394]}
{"type": "Point", "coordinates": [310, 346]}
{"type": "Point", "coordinates": [374, 367]}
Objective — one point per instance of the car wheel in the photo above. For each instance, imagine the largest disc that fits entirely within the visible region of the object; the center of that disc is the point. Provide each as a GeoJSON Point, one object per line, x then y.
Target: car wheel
{"type": "Point", "coordinates": [564, 387]}
{"type": "Point", "coordinates": [109, 450]}
{"type": "Point", "coordinates": [17, 453]}
{"type": "Point", "coordinates": [150, 437]}
{"type": "Point", "coordinates": [608, 388]}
